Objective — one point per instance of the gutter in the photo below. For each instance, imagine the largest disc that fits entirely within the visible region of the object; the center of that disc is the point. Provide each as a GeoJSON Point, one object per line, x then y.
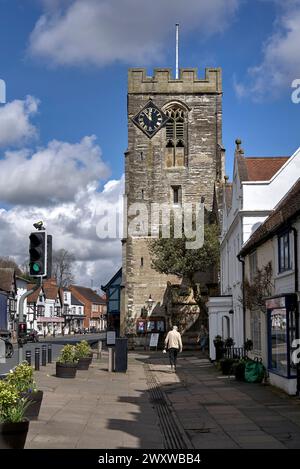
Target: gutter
{"type": "Point", "coordinates": [243, 293]}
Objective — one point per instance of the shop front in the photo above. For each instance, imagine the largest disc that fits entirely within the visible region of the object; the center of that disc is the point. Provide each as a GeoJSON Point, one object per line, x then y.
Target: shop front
{"type": "Point", "coordinates": [50, 326]}
{"type": "Point", "coordinates": [283, 330]}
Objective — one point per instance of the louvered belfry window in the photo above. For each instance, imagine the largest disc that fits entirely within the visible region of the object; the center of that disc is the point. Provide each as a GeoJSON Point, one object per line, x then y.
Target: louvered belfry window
{"type": "Point", "coordinates": [175, 128]}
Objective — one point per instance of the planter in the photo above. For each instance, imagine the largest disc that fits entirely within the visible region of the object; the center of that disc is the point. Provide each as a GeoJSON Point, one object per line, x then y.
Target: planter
{"type": "Point", "coordinates": [13, 435]}
{"type": "Point", "coordinates": [35, 401]}
{"type": "Point", "coordinates": [66, 370]}
{"type": "Point", "coordinates": [84, 363]}
{"type": "Point", "coordinates": [219, 350]}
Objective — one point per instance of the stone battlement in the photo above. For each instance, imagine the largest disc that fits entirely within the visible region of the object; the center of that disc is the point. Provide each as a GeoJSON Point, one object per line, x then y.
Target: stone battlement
{"type": "Point", "coordinates": [163, 82]}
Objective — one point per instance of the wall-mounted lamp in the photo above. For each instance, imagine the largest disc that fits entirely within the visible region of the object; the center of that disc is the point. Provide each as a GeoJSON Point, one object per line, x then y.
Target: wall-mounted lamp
{"type": "Point", "coordinates": [231, 311]}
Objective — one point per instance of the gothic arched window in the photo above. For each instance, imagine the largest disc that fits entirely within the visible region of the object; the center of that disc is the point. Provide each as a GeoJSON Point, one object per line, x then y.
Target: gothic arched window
{"type": "Point", "coordinates": [176, 136]}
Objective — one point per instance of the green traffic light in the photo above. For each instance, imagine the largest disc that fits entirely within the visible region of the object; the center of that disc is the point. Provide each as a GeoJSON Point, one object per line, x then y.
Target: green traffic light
{"type": "Point", "coordinates": [36, 267]}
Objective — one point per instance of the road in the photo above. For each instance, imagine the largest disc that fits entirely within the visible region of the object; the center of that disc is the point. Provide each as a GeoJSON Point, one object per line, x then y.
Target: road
{"type": "Point", "coordinates": [56, 342]}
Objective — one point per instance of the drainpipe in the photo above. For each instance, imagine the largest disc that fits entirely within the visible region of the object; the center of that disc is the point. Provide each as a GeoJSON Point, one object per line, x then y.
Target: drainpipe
{"type": "Point", "coordinates": [243, 293]}
{"type": "Point", "coordinates": [295, 233]}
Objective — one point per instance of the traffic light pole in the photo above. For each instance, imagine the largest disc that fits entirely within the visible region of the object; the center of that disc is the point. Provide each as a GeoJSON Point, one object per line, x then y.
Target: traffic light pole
{"type": "Point", "coordinates": [21, 314]}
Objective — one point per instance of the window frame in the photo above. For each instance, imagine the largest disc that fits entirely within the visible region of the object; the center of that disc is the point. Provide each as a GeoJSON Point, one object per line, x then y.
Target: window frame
{"type": "Point", "coordinates": [284, 252]}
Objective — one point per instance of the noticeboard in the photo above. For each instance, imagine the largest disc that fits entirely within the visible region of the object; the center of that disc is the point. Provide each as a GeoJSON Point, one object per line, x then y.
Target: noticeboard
{"type": "Point", "coordinates": [154, 340]}
{"type": "Point", "coordinates": [111, 338]}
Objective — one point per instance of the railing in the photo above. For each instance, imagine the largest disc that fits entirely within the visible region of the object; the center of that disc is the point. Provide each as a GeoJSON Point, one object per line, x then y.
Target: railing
{"type": "Point", "coordinates": [234, 352]}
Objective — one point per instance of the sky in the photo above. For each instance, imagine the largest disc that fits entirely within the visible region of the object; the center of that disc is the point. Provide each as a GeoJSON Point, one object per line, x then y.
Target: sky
{"type": "Point", "coordinates": [63, 127]}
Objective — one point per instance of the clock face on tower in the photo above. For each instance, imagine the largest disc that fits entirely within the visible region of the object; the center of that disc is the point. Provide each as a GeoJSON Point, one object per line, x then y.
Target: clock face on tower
{"type": "Point", "coordinates": [150, 119]}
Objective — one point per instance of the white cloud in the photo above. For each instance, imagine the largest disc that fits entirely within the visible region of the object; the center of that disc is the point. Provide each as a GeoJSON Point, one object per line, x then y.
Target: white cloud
{"type": "Point", "coordinates": [281, 59]}
{"type": "Point", "coordinates": [100, 32]}
{"type": "Point", "coordinates": [51, 175]}
{"type": "Point", "coordinates": [15, 126]}
{"type": "Point", "coordinates": [73, 226]}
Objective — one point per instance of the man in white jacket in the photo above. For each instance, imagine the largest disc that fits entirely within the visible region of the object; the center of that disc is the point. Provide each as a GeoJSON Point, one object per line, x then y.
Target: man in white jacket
{"type": "Point", "coordinates": [173, 344]}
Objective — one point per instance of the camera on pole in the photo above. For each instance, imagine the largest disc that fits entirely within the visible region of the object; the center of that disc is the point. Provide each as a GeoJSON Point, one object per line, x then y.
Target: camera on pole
{"type": "Point", "coordinates": [38, 254]}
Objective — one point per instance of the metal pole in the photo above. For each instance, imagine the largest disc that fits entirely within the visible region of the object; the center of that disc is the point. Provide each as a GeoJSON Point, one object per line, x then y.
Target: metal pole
{"type": "Point", "coordinates": [49, 353]}
{"type": "Point", "coordinates": [111, 359]}
{"type": "Point", "coordinates": [21, 314]}
{"type": "Point", "coordinates": [44, 355]}
{"type": "Point", "coordinates": [28, 356]}
{"type": "Point", "coordinates": [177, 51]}
{"type": "Point", "coordinates": [37, 359]}
{"type": "Point", "coordinates": [99, 350]}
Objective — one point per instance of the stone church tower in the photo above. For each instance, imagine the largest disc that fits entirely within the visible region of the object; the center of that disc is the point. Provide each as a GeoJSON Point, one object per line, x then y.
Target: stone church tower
{"type": "Point", "coordinates": [174, 161]}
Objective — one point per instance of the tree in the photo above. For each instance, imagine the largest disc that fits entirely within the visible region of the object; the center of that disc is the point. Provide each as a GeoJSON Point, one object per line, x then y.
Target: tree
{"type": "Point", "coordinates": [171, 256]}
{"type": "Point", "coordinates": [9, 263]}
{"type": "Point", "coordinates": [62, 265]}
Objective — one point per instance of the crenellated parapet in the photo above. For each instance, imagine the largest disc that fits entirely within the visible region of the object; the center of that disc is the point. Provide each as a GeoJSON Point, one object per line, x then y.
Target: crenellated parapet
{"type": "Point", "coordinates": [163, 82]}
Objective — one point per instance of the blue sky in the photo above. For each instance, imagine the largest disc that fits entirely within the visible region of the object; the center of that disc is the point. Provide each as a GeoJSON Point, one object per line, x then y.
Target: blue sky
{"type": "Point", "coordinates": [74, 66]}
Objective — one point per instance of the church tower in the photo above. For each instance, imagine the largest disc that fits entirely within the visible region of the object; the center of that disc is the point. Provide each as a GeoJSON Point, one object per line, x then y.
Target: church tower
{"type": "Point", "coordinates": [174, 155]}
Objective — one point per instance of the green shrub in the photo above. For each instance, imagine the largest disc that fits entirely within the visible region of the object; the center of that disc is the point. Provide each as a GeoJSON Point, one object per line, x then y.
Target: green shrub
{"type": "Point", "coordinates": [68, 354]}
{"type": "Point", "coordinates": [82, 349]}
{"type": "Point", "coordinates": [12, 407]}
{"type": "Point", "coordinates": [21, 377]}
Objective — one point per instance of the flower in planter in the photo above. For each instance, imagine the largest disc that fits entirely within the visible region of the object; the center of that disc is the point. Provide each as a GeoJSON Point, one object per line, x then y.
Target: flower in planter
{"type": "Point", "coordinates": [82, 349]}
{"type": "Point", "coordinates": [21, 377]}
{"type": "Point", "coordinates": [248, 345]}
{"type": "Point", "coordinates": [12, 407]}
{"type": "Point", "coordinates": [68, 354]}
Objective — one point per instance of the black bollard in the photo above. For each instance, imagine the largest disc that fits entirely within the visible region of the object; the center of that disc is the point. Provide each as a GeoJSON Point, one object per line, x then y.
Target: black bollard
{"type": "Point", "coordinates": [37, 359]}
{"type": "Point", "coordinates": [28, 357]}
{"type": "Point", "coordinates": [44, 355]}
{"type": "Point", "coordinates": [49, 353]}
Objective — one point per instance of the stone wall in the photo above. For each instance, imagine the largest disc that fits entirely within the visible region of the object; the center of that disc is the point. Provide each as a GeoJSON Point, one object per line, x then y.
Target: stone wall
{"type": "Point", "coordinates": [148, 176]}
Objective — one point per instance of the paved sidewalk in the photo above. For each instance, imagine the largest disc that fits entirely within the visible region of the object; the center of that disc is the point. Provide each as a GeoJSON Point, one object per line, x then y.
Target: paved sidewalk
{"type": "Point", "coordinates": [204, 409]}
{"type": "Point", "coordinates": [97, 409]}
{"type": "Point", "coordinates": [219, 412]}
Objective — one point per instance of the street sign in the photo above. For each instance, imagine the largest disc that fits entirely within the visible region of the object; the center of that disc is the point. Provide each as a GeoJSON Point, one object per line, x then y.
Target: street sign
{"type": "Point", "coordinates": [111, 338]}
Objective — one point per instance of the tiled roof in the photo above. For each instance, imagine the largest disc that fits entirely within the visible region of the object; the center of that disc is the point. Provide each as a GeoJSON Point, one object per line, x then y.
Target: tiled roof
{"type": "Point", "coordinates": [50, 289]}
{"type": "Point", "coordinates": [75, 301]}
{"type": "Point", "coordinates": [263, 168]}
{"type": "Point", "coordinates": [6, 279]}
{"type": "Point", "coordinates": [88, 293]}
{"type": "Point", "coordinates": [287, 209]}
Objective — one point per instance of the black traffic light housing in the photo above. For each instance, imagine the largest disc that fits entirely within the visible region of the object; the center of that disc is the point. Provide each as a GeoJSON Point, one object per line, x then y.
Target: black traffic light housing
{"type": "Point", "coordinates": [38, 254]}
{"type": "Point", "coordinates": [22, 330]}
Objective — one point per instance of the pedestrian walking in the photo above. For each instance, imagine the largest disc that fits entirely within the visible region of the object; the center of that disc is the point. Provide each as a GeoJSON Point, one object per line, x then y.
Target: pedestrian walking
{"type": "Point", "coordinates": [173, 344]}
{"type": "Point", "coordinates": [202, 338]}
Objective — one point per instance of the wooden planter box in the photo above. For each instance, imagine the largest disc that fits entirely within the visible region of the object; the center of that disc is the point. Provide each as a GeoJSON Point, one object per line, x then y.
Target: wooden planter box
{"type": "Point", "coordinates": [66, 370]}
{"type": "Point", "coordinates": [13, 435]}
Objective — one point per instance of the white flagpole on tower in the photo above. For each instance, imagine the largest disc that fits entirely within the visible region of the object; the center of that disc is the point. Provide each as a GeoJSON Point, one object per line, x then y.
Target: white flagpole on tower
{"type": "Point", "coordinates": [177, 51]}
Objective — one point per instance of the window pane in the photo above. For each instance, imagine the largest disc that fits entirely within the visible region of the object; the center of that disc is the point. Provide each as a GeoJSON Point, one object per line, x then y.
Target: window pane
{"type": "Point", "coordinates": [279, 341]}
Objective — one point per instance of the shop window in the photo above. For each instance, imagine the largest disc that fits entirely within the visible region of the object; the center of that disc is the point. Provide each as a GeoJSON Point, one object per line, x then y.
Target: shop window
{"type": "Point", "coordinates": [284, 260]}
{"type": "Point", "coordinates": [282, 327]}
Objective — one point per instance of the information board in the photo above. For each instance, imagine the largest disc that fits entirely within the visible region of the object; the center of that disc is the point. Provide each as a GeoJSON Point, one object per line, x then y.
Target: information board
{"type": "Point", "coordinates": [111, 338]}
{"type": "Point", "coordinates": [154, 340]}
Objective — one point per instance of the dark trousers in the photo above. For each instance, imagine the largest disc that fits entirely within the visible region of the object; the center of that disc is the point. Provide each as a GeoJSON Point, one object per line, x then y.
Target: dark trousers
{"type": "Point", "coordinates": [173, 352]}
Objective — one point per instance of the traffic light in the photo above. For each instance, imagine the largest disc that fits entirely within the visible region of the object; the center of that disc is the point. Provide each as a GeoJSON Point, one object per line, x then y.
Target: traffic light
{"type": "Point", "coordinates": [22, 329]}
{"type": "Point", "coordinates": [38, 254]}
